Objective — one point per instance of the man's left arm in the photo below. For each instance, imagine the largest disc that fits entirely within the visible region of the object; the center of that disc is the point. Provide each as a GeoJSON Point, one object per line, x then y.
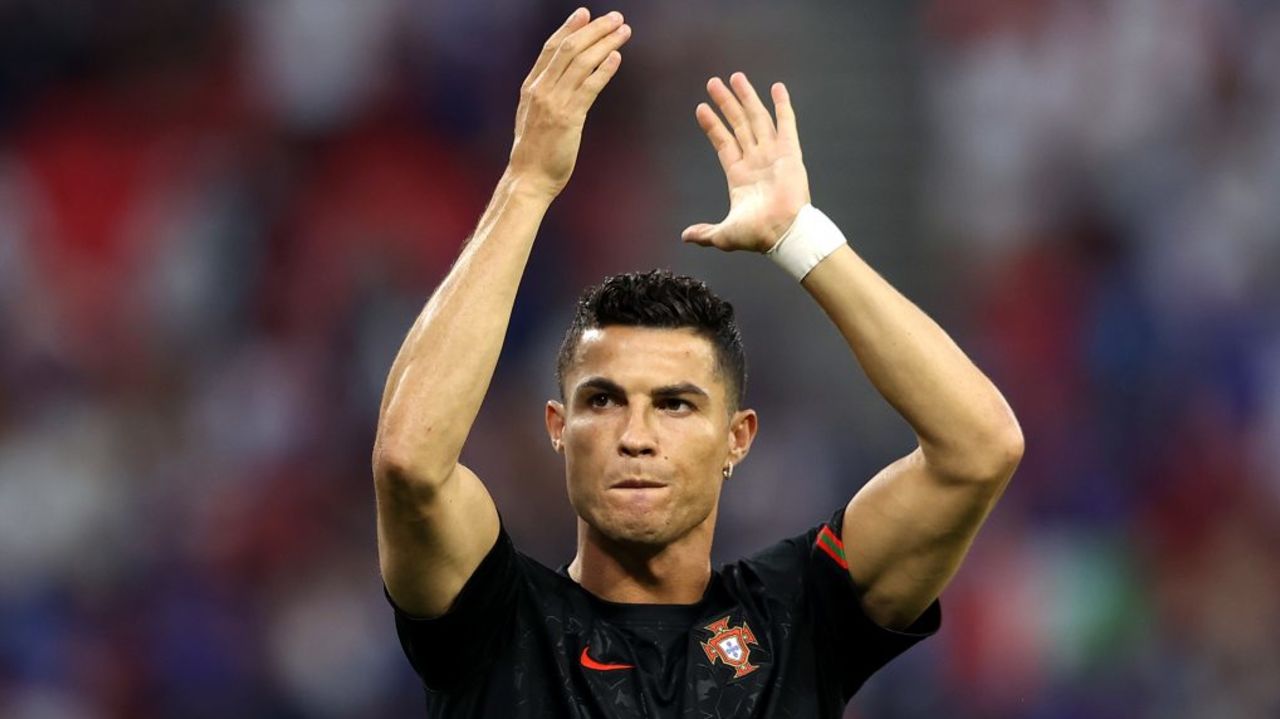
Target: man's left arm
{"type": "Point", "coordinates": [907, 529]}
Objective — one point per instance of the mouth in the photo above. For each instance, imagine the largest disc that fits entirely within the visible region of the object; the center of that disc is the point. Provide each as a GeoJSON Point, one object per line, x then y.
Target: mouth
{"type": "Point", "coordinates": [637, 484]}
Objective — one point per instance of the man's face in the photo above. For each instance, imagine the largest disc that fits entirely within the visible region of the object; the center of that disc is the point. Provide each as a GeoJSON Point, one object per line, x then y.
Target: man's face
{"type": "Point", "coordinates": [646, 432]}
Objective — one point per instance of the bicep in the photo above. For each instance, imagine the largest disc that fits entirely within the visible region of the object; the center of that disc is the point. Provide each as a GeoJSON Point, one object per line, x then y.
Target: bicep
{"type": "Point", "coordinates": [906, 533]}
{"type": "Point", "coordinates": [428, 547]}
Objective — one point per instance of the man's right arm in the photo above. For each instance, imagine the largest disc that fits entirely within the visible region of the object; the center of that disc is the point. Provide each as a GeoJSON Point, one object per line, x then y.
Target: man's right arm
{"type": "Point", "coordinates": [436, 520]}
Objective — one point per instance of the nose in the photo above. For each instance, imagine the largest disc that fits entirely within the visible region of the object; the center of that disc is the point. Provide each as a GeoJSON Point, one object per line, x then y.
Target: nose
{"type": "Point", "coordinates": [637, 438]}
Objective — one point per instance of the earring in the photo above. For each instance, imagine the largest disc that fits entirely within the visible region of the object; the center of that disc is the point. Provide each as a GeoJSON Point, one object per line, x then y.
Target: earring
{"type": "Point", "coordinates": [727, 471]}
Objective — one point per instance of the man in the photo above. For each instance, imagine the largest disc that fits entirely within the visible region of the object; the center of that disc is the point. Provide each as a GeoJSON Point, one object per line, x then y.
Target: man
{"type": "Point", "coordinates": [650, 426]}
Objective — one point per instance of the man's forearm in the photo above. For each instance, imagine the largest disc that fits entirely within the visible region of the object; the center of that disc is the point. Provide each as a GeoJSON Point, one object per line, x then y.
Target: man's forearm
{"type": "Point", "coordinates": [965, 427]}
{"type": "Point", "coordinates": [442, 372]}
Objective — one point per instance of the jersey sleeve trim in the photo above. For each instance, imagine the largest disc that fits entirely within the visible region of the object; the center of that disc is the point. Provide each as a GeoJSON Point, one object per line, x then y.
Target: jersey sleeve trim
{"type": "Point", "coordinates": [828, 542]}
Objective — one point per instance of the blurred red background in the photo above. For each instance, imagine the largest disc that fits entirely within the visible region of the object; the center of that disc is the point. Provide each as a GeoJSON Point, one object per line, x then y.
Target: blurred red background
{"type": "Point", "coordinates": [218, 219]}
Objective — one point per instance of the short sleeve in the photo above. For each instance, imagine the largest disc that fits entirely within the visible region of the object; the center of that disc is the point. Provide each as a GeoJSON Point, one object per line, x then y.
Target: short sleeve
{"type": "Point", "coordinates": [848, 641]}
{"type": "Point", "coordinates": [448, 649]}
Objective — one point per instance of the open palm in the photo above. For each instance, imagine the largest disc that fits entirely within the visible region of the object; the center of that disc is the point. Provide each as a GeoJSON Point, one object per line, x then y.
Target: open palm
{"type": "Point", "coordinates": [762, 163]}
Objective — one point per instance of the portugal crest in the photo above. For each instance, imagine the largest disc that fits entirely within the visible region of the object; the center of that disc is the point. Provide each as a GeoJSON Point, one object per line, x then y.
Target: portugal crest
{"type": "Point", "coordinates": [731, 645]}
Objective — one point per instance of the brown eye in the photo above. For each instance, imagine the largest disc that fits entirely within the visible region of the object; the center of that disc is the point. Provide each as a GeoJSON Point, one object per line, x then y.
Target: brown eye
{"type": "Point", "coordinates": [598, 400]}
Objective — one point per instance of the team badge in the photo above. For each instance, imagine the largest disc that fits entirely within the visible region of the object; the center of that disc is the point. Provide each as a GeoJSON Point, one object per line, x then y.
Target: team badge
{"type": "Point", "coordinates": [731, 645]}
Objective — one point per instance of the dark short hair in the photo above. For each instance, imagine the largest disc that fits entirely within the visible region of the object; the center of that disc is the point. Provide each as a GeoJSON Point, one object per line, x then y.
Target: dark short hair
{"type": "Point", "coordinates": [660, 299]}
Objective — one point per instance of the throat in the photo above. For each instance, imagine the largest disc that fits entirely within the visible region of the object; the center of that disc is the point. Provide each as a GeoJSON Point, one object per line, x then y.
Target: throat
{"type": "Point", "coordinates": [675, 574]}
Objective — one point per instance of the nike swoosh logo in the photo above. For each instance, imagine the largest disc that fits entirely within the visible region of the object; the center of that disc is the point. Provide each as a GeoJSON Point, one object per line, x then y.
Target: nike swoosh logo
{"type": "Point", "coordinates": [590, 663]}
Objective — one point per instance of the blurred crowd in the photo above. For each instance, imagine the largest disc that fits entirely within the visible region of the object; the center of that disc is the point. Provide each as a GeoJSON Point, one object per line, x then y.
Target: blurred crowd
{"type": "Point", "coordinates": [219, 217]}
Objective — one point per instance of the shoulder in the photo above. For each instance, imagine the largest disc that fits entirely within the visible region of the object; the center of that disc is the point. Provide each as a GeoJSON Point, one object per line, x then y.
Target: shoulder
{"type": "Point", "coordinates": [507, 594]}
{"type": "Point", "coordinates": [779, 570]}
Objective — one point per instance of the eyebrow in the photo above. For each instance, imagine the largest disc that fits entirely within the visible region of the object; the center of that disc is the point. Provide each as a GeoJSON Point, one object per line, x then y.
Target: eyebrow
{"type": "Point", "coordinates": [671, 390]}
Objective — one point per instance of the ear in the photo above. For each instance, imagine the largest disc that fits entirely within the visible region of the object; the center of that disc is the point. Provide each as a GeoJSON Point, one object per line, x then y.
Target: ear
{"type": "Point", "coordinates": [555, 425]}
{"type": "Point", "coordinates": [742, 432]}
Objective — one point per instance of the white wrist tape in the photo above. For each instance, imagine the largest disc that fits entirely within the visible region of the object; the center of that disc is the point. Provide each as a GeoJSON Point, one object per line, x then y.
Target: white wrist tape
{"type": "Point", "coordinates": [811, 237]}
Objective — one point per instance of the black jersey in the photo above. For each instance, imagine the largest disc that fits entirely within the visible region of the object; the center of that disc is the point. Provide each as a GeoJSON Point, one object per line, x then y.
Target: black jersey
{"type": "Point", "coordinates": [779, 634]}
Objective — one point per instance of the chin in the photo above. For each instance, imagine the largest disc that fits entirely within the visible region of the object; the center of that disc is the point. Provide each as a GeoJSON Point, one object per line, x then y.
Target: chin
{"type": "Point", "coordinates": [647, 529]}
{"type": "Point", "coordinates": [639, 531]}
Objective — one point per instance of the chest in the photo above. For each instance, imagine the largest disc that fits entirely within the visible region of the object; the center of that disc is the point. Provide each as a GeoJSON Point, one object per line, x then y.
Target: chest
{"type": "Point", "coordinates": [727, 663]}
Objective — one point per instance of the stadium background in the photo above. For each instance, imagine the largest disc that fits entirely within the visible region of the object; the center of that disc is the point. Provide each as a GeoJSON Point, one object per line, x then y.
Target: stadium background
{"type": "Point", "coordinates": [218, 218]}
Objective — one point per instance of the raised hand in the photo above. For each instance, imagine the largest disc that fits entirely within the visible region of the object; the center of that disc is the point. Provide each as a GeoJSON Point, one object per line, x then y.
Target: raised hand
{"type": "Point", "coordinates": [576, 63]}
{"type": "Point", "coordinates": [762, 163]}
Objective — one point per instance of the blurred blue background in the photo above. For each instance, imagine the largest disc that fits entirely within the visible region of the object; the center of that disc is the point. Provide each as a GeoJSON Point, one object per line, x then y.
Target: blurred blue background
{"type": "Point", "coordinates": [218, 219]}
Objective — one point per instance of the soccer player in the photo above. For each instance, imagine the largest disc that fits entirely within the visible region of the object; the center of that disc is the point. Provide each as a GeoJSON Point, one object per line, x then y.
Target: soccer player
{"type": "Point", "coordinates": [651, 425]}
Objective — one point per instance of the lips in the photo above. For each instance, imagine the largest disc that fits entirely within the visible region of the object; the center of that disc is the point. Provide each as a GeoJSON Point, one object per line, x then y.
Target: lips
{"type": "Point", "coordinates": [637, 484]}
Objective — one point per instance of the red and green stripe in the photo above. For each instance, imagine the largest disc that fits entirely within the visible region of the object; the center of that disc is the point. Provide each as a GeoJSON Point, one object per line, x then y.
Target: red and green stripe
{"type": "Point", "coordinates": [828, 542]}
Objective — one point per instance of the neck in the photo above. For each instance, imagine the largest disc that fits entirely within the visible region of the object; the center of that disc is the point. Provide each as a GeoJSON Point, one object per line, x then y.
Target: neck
{"type": "Point", "coordinates": [676, 573]}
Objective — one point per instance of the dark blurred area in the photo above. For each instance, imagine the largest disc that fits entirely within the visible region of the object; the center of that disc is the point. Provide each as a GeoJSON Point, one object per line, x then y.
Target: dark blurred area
{"type": "Point", "coordinates": [219, 218]}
